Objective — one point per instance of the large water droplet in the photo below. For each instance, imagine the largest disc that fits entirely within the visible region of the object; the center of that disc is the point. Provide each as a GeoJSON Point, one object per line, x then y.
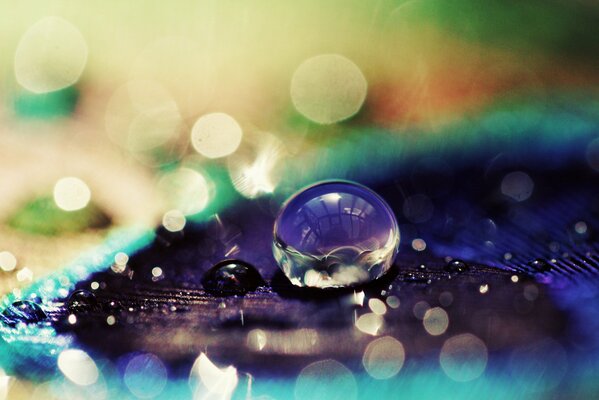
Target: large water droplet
{"type": "Point", "coordinates": [335, 234]}
{"type": "Point", "coordinates": [23, 311]}
{"type": "Point", "coordinates": [231, 277]}
{"type": "Point", "coordinates": [82, 301]}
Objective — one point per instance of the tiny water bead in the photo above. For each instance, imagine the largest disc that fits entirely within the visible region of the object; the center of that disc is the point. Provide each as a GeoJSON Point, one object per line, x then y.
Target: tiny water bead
{"type": "Point", "coordinates": [81, 301]}
{"type": "Point", "coordinates": [232, 277]}
{"type": "Point", "coordinates": [23, 311]}
{"type": "Point", "coordinates": [540, 265]}
{"type": "Point", "coordinates": [335, 234]}
{"type": "Point", "coordinates": [456, 266]}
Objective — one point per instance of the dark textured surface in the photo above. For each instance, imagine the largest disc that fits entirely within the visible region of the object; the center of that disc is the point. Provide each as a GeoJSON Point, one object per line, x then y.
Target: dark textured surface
{"type": "Point", "coordinates": [472, 220]}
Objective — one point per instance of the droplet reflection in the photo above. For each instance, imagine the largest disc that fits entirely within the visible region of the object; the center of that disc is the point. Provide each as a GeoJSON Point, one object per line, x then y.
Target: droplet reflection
{"type": "Point", "coordinates": [335, 234]}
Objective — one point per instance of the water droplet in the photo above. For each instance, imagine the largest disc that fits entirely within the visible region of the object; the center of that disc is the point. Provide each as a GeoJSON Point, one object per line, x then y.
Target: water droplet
{"type": "Point", "coordinates": [232, 277]}
{"type": "Point", "coordinates": [456, 266]}
{"type": "Point", "coordinates": [335, 234]}
{"type": "Point", "coordinates": [82, 301]}
{"type": "Point", "coordinates": [23, 311]}
{"type": "Point", "coordinates": [417, 277]}
{"type": "Point", "coordinates": [540, 265]}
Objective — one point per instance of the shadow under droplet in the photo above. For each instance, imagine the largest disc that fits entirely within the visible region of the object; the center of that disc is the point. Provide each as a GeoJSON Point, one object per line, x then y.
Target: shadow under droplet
{"type": "Point", "coordinates": [284, 288]}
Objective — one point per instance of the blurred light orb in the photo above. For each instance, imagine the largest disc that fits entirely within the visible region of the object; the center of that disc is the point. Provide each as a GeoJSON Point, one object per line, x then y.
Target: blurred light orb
{"type": "Point", "coordinates": [420, 308]}
{"type": "Point", "coordinates": [418, 244]}
{"type": "Point", "coordinates": [256, 339]}
{"type": "Point", "coordinates": [328, 88]}
{"type": "Point", "coordinates": [370, 324]}
{"type": "Point", "coordinates": [156, 272]}
{"type": "Point", "coordinates": [517, 185]}
{"type": "Point", "coordinates": [335, 234]}
{"type": "Point", "coordinates": [254, 169]}
{"type": "Point", "coordinates": [51, 55]}
{"type": "Point", "coordinates": [463, 357]}
{"type": "Point", "coordinates": [446, 299]}
{"type": "Point", "coordinates": [208, 381]}
{"type": "Point", "coordinates": [121, 258]}
{"type": "Point", "coordinates": [185, 190]}
{"type": "Point", "coordinates": [326, 379]}
{"type": "Point", "coordinates": [377, 306]}
{"type": "Point", "coordinates": [174, 221]}
{"type": "Point", "coordinates": [78, 367]}
{"type": "Point", "coordinates": [8, 262]}
{"type": "Point", "coordinates": [580, 227]}
{"type": "Point", "coordinates": [145, 376]}
{"type": "Point", "coordinates": [24, 274]}
{"type": "Point", "coordinates": [71, 194]}
{"type": "Point", "coordinates": [5, 384]}
{"type": "Point", "coordinates": [435, 321]}
{"type": "Point", "coordinates": [393, 302]}
{"type": "Point", "coordinates": [216, 135]}
{"type": "Point", "coordinates": [141, 115]}
{"type": "Point", "coordinates": [384, 357]}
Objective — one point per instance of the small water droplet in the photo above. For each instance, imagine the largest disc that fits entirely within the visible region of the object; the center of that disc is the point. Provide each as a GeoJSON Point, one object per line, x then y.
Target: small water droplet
{"type": "Point", "coordinates": [540, 265]}
{"type": "Point", "coordinates": [82, 301]}
{"type": "Point", "coordinates": [456, 266]}
{"type": "Point", "coordinates": [23, 311]}
{"type": "Point", "coordinates": [417, 277]}
{"type": "Point", "coordinates": [231, 277]}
